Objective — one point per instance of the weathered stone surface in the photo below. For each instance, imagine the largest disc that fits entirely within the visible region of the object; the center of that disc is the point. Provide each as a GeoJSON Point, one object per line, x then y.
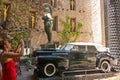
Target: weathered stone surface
{"type": "Point", "coordinates": [114, 26]}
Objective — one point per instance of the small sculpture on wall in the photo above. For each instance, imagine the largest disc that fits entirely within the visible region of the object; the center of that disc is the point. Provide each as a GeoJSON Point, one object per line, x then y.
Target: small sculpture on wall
{"type": "Point", "coordinates": [6, 7]}
{"type": "Point", "coordinates": [5, 11]}
{"type": "Point", "coordinates": [33, 18]}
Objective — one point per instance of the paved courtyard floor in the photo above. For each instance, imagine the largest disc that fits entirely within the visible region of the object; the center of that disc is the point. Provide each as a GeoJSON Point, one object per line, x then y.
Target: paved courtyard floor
{"type": "Point", "coordinates": [28, 75]}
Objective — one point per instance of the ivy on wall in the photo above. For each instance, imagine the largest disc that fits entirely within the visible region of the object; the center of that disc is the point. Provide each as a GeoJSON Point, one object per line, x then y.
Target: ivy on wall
{"type": "Point", "coordinates": [1, 8]}
{"type": "Point", "coordinates": [18, 36]}
{"type": "Point", "coordinates": [66, 35]}
{"type": "Point", "coordinates": [18, 17]}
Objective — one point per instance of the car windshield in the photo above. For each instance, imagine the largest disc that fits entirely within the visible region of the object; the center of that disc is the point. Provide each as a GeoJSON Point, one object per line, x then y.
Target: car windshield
{"type": "Point", "coordinates": [68, 47]}
{"type": "Point", "coordinates": [101, 48]}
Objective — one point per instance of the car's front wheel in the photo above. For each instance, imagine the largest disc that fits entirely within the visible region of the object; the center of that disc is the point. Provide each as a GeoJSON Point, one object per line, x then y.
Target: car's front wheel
{"type": "Point", "coordinates": [105, 66]}
{"type": "Point", "coordinates": [49, 69]}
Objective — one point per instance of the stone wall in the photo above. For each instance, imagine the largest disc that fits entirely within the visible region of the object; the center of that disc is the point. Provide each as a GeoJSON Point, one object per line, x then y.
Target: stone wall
{"type": "Point", "coordinates": [81, 14]}
{"type": "Point", "coordinates": [87, 12]}
{"type": "Point", "coordinates": [96, 21]}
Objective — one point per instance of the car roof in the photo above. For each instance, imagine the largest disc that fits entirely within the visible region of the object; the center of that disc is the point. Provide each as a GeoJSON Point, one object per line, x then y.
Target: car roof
{"type": "Point", "coordinates": [99, 47]}
{"type": "Point", "coordinates": [84, 43]}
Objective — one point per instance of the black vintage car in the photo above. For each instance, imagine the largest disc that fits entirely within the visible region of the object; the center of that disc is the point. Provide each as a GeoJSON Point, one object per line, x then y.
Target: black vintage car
{"type": "Point", "coordinates": [73, 56]}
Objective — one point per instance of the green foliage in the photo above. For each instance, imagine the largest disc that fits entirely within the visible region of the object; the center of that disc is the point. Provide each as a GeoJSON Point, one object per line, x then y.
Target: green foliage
{"type": "Point", "coordinates": [18, 36]}
{"type": "Point", "coordinates": [24, 60]}
{"type": "Point", "coordinates": [17, 18]}
{"type": "Point", "coordinates": [1, 1]}
{"type": "Point", "coordinates": [23, 0]}
{"type": "Point", "coordinates": [1, 5]}
{"type": "Point", "coordinates": [66, 34]}
{"type": "Point", "coordinates": [14, 0]}
{"type": "Point", "coordinates": [25, 9]}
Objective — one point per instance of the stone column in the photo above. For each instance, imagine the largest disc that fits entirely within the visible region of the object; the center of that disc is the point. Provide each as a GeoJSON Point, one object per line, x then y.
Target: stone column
{"type": "Point", "coordinates": [114, 26]}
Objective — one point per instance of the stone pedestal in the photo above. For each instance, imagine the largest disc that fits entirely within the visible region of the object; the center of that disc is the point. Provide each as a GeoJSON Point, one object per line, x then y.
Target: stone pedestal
{"type": "Point", "coordinates": [47, 46]}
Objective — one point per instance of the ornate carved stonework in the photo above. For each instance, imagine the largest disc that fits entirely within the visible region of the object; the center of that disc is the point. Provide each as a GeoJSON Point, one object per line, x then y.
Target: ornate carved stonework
{"type": "Point", "coordinates": [114, 26]}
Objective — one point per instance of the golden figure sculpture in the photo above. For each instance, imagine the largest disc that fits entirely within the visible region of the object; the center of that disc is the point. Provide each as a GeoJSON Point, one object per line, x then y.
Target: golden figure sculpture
{"type": "Point", "coordinates": [73, 25]}
{"type": "Point", "coordinates": [5, 12]}
{"type": "Point", "coordinates": [53, 3]}
{"type": "Point", "coordinates": [33, 20]}
{"type": "Point", "coordinates": [72, 4]}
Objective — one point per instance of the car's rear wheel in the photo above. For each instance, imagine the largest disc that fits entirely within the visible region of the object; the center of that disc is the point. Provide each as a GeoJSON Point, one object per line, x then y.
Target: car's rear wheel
{"type": "Point", "coordinates": [105, 66]}
{"type": "Point", "coordinates": [49, 69]}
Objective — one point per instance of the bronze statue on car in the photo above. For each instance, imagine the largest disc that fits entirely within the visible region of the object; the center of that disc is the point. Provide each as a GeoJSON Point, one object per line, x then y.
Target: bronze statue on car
{"type": "Point", "coordinates": [48, 21]}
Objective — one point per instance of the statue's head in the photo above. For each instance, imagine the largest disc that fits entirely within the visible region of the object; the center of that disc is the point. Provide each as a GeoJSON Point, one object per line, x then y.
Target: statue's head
{"type": "Point", "coordinates": [47, 8]}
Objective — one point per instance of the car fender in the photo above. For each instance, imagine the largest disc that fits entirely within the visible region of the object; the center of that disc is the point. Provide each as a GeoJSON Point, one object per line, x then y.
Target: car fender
{"type": "Point", "coordinates": [102, 57]}
{"type": "Point", "coordinates": [106, 56]}
{"type": "Point", "coordinates": [57, 60]}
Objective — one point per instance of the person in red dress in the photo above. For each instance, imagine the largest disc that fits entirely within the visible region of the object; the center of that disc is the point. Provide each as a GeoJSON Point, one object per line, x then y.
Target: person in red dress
{"type": "Point", "coordinates": [7, 59]}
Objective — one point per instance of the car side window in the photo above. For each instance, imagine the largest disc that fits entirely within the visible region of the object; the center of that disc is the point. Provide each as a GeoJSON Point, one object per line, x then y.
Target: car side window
{"type": "Point", "coordinates": [91, 49]}
{"type": "Point", "coordinates": [75, 48]}
{"type": "Point", "coordinates": [82, 49]}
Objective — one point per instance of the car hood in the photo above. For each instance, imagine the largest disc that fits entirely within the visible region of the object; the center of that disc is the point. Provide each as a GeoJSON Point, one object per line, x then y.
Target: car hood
{"type": "Point", "coordinates": [102, 50]}
{"type": "Point", "coordinates": [48, 52]}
